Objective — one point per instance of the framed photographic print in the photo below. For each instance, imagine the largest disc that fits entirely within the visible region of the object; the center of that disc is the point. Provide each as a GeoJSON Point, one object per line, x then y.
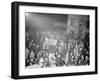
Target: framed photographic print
{"type": "Point", "coordinates": [50, 40]}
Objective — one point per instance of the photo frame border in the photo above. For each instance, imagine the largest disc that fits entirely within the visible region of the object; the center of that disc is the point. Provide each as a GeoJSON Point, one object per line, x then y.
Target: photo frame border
{"type": "Point", "coordinates": [15, 39]}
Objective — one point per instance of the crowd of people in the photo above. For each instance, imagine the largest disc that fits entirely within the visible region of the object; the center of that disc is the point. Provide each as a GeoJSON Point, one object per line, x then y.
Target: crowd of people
{"type": "Point", "coordinates": [60, 48]}
{"type": "Point", "coordinates": [59, 53]}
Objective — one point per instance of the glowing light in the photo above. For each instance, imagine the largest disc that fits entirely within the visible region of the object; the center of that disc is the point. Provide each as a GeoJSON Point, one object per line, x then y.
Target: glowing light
{"type": "Point", "coordinates": [27, 14]}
